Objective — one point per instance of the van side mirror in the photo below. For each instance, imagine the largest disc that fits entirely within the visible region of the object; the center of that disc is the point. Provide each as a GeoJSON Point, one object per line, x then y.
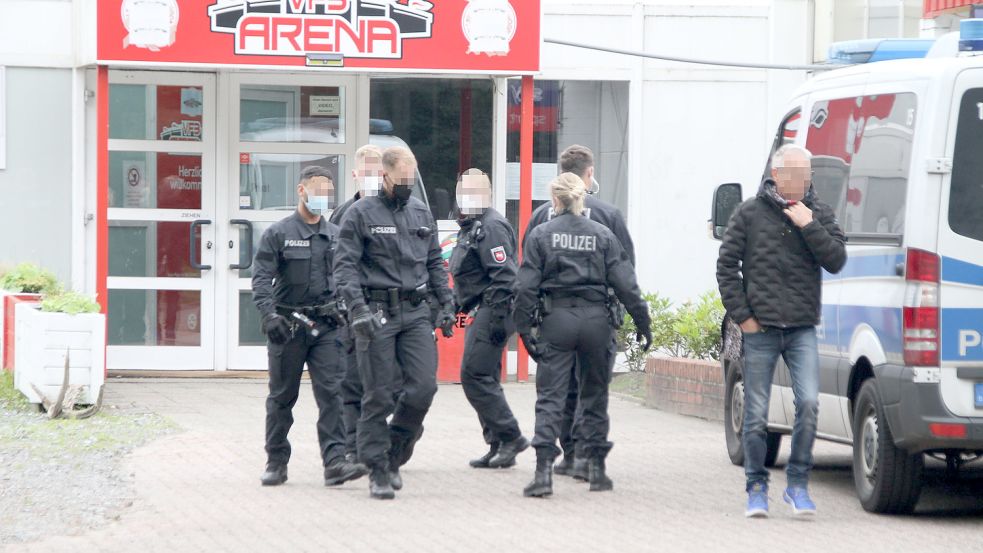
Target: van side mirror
{"type": "Point", "coordinates": [726, 198]}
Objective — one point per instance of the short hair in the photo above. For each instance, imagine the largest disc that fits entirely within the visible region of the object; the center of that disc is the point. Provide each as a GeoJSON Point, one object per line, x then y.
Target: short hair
{"type": "Point", "coordinates": [569, 189]}
{"type": "Point", "coordinates": [473, 172]}
{"type": "Point", "coordinates": [366, 151]}
{"type": "Point", "coordinates": [396, 155]}
{"type": "Point", "coordinates": [576, 159]}
{"type": "Point", "coordinates": [778, 158]}
{"type": "Point", "coordinates": [312, 171]}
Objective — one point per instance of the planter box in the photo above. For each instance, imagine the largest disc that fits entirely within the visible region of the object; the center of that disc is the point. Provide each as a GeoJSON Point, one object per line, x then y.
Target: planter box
{"type": "Point", "coordinates": [42, 341]}
{"type": "Point", "coordinates": [7, 302]}
{"type": "Point", "coordinates": [685, 386]}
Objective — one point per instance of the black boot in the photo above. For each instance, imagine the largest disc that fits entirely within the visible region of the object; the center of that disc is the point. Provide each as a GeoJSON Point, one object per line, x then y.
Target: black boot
{"type": "Point", "coordinates": [379, 485]}
{"type": "Point", "coordinates": [564, 467]}
{"type": "Point", "coordinates": [580, 470]}
{"type": "Point", "coordinates": [341, 470]}
{"type": "Point", "coordinates": [274, 475]}
{"type": "Point", "coordinates": [507, 453]}
{"type": "Point", "coordinates": [542, 482]}
{"type": "Point", "coordinates": [395, 479]}
{"type": "Point", "coordinates": [482, 462]}
{"type": "Point", "coordinates": [599, 482]}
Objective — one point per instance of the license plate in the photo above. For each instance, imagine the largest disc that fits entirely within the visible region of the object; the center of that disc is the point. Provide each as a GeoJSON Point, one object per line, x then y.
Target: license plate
{"type": "Point", "coordinates": [979, 395]}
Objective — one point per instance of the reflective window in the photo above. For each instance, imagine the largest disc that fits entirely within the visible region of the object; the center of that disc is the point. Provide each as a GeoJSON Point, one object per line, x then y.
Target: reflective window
{"type": "Point", "coordinates": [292, 114]}
{"type": "Point", "coordinates": [154, 318]}
{"type": "Point", "coordinates": [966, 192]}
{"type": "Point", "coordinates": [861, 149]}
{"type": "Point", "coordinates": [250, 321]}
{"type": "Point", "coordinates": [154, 180]}
{"type": "Point", "coordinates": [152, 249]}
{"type": "Point", "coordinates": [150, 112]}
{"type": "Point", "coordinates": [269, 181]}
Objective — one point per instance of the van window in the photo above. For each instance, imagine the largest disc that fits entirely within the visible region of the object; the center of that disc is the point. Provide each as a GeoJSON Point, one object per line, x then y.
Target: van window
{"type": "Point", "coordinates": [861, 149]}
{"type": "Point", "coordinates": [786, 134]}
{"type": "Point", "coordinates": [966, 192]}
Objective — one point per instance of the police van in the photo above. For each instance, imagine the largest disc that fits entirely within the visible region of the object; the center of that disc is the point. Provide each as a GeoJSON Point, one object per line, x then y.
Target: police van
{"type": "Point", "coordinates": [898, 154]}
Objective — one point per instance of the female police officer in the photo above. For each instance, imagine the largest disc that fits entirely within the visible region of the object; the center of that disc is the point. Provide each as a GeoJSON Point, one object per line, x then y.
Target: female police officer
{"type": "Point", "coordinates": [483, 266]}
{"type": "Point", "coordinates": [569, 264]}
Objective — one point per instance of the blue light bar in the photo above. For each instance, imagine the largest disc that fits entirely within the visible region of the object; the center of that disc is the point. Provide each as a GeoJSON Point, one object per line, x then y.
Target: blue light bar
{"type": "Point", "coordinates": [878, 49]}
{"type": "Point", "coordinates": [971, 35]}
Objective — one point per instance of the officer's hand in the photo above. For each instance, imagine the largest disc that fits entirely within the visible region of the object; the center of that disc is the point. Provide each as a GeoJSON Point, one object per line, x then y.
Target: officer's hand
{"type": "Point", "coordinates": [644, 337]}
{"type": "Point", "coordinates": [532, 346]}
{"type": "Point", "coordinates": [276, 328]}
{"type": "Point", "coordinates": [497, 333]}
{"type": "Point", "coordinates": [364, 323]}
{"type": "Point", "coordinates": [446, 320]}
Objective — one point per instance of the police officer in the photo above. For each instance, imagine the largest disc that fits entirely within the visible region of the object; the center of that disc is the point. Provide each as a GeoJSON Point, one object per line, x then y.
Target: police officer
{"type": "Point", "coordinates": [367, 174]}
{"type": "Point", "coordinates": [569, 264]}
{"type": "Point", "coordinates": [294, 291]}
{"type": "Point", "coordinates": [483, 266]}
{"type": "Point", "coordinates": [388, 260]}
{"type": "Point", "coordinates": [579, 160]}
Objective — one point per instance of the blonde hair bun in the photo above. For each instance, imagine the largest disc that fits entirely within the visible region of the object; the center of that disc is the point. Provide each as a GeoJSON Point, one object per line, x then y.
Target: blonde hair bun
{"type": "Point", "coordinates": [570, 191]}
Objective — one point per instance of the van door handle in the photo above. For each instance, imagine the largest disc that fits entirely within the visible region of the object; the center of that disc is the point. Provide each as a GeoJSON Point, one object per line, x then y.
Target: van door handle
{"type": "Point", "coordinates": [191, 249]}
{"type": "Point", "coordinates": [249, 243]}
{"type": "Point", "coordinates": [899, 269]}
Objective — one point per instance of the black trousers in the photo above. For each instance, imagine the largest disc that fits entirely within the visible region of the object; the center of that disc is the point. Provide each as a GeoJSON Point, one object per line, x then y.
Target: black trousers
{"type": "Point", "coordinates": [286, 365]}
{"type": "Point", "coordinates": [481, 378]}
{"type": "Point", "coordinates": [578, 336]}
{"type": "Point", "coordinates": [351, 390]}
{"type": "Point", "coordinates": [399, 377]}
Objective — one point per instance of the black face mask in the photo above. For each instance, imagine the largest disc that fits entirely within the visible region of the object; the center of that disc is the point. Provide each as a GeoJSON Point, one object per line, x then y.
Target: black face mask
{"type": "Point", "coordinates": [402, 192]}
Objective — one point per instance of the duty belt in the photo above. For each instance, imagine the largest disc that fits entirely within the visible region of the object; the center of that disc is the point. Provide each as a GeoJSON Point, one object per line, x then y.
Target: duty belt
{"type": "Point", "coordinates": [329, 314]}
{"type": "Point", "coordinates": [392, 296]}
{"type": "Point", "coordinates": [575, 301]}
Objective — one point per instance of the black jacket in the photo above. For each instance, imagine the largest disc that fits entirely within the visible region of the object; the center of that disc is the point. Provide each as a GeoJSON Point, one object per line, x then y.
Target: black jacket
{"type": "Point", "coordinates": [572, 255]}
{"type": "Point", "coordinates": [339, 213]}
{"type": "Point", "coordinates": [597, 210]}
{"type": "Point", "coordinates": [769, 269]}
{"type": "Point", "coordinates": [483, 263]}
{"type": "Point", "coordinates": [384, 243]}
{"type": "Point", "coordinates": [293, 266]}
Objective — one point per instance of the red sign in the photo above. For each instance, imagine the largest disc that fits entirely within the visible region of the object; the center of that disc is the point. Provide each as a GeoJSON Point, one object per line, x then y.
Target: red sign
{"type": "Point", "coordinates": [474, 36]}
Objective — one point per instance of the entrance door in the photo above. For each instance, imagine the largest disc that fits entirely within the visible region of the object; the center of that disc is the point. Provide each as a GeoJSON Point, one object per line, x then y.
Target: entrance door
{"type": "Point", "coordinates": [278, 125]}
{"type": "Point", "coordinates": [162, 238]}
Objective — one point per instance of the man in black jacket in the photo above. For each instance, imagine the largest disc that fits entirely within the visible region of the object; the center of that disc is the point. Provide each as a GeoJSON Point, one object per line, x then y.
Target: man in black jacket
{"type": "Point", "coordinates": [769, 273]}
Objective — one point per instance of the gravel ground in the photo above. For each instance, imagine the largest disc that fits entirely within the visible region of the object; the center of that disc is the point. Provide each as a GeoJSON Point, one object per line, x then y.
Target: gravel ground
{"type": "Point", "coordinates": [63, 477]}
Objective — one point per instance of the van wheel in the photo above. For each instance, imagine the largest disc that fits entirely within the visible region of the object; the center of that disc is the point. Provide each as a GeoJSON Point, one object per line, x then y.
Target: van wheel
{"type": "Point", "coordinates": [888, 479]}
{"type": "Point", "coordinates": [734, 419]}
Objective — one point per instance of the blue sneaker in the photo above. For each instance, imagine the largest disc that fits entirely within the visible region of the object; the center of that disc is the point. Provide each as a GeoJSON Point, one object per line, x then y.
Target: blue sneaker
{"type": "Point", "coordinates": [757, 501]}
{"type": "Point", "coordinates": [798, 498]}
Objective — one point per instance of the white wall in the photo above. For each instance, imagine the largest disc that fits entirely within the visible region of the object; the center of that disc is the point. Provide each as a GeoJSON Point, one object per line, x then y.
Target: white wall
{"type": "Point", "coordinates": [38, 33]}
{"type": "Point", "coordinates": [697, 126]}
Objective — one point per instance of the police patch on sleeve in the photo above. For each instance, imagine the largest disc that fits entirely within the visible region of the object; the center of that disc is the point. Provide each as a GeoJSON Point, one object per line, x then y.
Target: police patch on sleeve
{"type": "Point", "coordinates": [498, 254]}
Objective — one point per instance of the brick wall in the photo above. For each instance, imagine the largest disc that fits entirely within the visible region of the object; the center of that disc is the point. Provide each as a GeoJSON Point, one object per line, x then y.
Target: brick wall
{"type": "Point", "coordinates": [685, 386]}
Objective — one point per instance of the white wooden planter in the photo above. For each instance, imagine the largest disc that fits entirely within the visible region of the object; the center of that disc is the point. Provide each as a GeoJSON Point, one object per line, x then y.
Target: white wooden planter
{"type": "Point", "coordinates": [42, 340]}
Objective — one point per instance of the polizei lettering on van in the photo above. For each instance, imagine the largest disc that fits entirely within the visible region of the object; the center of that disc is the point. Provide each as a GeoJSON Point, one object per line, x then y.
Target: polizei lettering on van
{"type": "Point", "coordinates": [575, 242]}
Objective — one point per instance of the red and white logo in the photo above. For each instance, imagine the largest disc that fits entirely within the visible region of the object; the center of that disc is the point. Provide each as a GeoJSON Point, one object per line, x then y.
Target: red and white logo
{"type": "Point", "coordinates": [498, 254]}
{"type": "Point", "coordinates": [489, 26]}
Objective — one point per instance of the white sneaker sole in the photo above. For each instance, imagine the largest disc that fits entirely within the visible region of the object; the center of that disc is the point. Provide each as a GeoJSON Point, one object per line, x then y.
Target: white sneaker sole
{"type": "Point", "coordinates": [799, 512]}
{"type": "Point", "coordinates": [756, 513]}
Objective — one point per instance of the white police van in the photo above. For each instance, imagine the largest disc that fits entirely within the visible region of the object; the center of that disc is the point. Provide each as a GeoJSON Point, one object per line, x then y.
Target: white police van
{"type": "Point", "coordinates": [898, 153]}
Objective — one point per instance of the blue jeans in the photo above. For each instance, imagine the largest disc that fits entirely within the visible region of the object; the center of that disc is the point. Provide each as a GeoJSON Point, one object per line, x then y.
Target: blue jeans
{"type": "Point", "coordinates": [799, 348]}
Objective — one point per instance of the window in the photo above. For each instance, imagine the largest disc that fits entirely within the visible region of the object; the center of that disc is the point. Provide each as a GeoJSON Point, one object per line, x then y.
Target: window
{"type": "Point", "coordinates": [966, 188]}
{"type": "Point", "coordinates": [786, 134]}
{"type": "Point", "coordinates": [861, 149]}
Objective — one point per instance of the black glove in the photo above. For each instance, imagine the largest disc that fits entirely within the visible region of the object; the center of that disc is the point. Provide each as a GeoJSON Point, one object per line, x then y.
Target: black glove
{"type": "Point", "coordinates": [276, 328]}
{"type": "Point", "coordinates": [497, 333]}
{"type": "Point", "coordinates": [532, 346]}
{"type": "Point", "coordinates": [644, 337]}
{"type": "Point", "coordinates": [446, 320]}
{"type": "Point", "coordinates": [364, 323]}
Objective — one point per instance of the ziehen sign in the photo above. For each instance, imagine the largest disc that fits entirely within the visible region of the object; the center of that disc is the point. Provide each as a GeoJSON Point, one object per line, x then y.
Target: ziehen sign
{"type": "Point", "coordinates": [486, 36]}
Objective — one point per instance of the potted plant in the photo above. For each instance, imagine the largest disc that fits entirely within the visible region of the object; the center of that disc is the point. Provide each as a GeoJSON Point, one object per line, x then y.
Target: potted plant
{"type": "Point", "coordinates": [64, 335]}
{"type": "Point", "coordinates": [24, 283]}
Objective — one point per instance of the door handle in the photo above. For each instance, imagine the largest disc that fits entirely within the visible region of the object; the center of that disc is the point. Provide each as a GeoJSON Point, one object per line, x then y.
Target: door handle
{"type": "Point", "coordinates": [191, 240]}
{"type": "Point", "coordinates": [249, 243]}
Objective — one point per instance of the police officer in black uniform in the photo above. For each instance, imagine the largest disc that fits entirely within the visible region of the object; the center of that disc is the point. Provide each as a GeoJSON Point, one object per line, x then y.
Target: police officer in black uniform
{"type": "Point", "coordinates": [367, 175]}
{"type": "Point", "coordinates": [483, 265]}
{"type": "Point", "coordinates": [579, 160]}
{"type": "Point", "coordinates": [388, 261]}
{"type": "Point", "coordinates": [294, 291]}
{"type": "Point", "coordinates": [569, 264]}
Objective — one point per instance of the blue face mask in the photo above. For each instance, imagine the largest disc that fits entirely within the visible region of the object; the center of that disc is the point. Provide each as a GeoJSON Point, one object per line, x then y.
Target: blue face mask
{"type": "Point", "coordinates": [318, 204]}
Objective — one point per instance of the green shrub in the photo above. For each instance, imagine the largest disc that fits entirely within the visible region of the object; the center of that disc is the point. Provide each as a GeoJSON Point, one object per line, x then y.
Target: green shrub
{"type": "Point", "coordinates": [660, 310]}
{"type": "Point", "coordinates": [28, 278]}
{"type": "Point", "coordinates": [692, 330]}
{"type": "Point", "coordinates": [72, 303]}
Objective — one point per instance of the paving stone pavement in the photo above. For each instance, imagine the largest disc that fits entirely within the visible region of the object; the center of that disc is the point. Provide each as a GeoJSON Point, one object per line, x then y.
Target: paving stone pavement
{"type": "Point", "coordinates": [675, 490]}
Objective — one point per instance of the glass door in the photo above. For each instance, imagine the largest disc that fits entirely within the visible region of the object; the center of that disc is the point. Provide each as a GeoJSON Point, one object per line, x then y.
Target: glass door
{"type": "Point", "coordinates": [279, 125]}
{"type": "Point", "coordinates": [161, 231]}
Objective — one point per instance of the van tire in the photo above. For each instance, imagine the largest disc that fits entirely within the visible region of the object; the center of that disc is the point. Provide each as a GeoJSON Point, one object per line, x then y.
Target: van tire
{"type": "Point", "coordinates": [888, 479]}
{"type": "Point", "coordinates": [734, 418]}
